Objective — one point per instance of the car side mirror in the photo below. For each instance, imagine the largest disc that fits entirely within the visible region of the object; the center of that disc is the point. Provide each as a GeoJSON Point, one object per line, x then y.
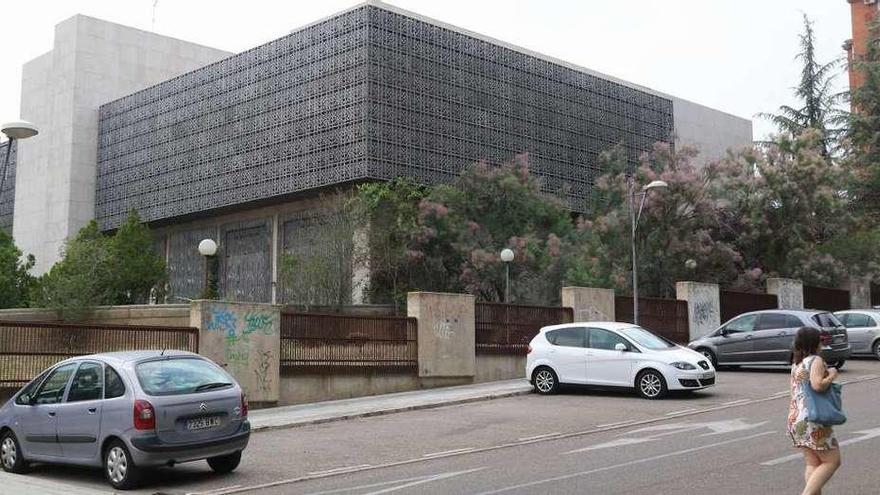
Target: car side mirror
{"type": "Point", "coordinates": [620, 347]}
{"type": "Point", "coordinates": [725, 332]}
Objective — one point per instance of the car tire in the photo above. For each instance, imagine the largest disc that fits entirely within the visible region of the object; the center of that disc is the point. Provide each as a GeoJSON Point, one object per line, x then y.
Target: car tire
{"type": "Point", "coordinates": [11, 456]}
{"type": "Point", "coordinates": [119, 468]}
{"type": "Point", "coordinates": [545, 381]}
{"type": "Point", "coordinates": [650, 384]}
{"type": "Point", "coordinates": [225, 464]}
{"type": "Point", "coordinates": [876, 349]}
{"type": "Point", "coordinates": [708, 354]}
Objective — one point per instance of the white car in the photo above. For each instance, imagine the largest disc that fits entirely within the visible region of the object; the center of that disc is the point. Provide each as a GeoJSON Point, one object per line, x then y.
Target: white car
{"type": "Point", "coordinates": [611, 354]}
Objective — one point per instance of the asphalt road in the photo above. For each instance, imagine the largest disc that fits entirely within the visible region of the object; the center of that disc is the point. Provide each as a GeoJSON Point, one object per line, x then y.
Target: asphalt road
{"type": "Point", "coordinates": [728, 439]}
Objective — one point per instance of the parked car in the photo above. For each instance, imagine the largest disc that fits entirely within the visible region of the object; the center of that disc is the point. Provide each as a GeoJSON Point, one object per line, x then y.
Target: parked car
{"type": "Point", "coordinates": [613, 355]}
{"type": "Point", "coordinates": [863, 330]}
{"type": "Point", "coordinates": [767, 338]}
{"type": "Point", "coordinates": [124, 412]}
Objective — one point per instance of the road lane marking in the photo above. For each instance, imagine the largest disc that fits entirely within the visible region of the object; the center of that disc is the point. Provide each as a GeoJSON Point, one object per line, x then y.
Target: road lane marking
{"type": "Point", "coordinates": [370, 485]}
{"type": "Point", "coordinates": [673, 413]}
{"type": "Point", "coordinates": [338, 470]}
{"type": "Point", "coordinates": [214, 491]}
{"type": "Point", "coordinates": [866, 435]}
{"type": "Point", "coordinates": [740, 401]}
{"type": "Point", "coordinates": [627, 464]}
{"type": "Point", "coordinates": [612, 425]}
{"type": "Point", "coordinates": [436, 477]}
{"type": "Point", "coordinates": [546, 435]}
{"type": "Point", "coordinates": [448, 452]}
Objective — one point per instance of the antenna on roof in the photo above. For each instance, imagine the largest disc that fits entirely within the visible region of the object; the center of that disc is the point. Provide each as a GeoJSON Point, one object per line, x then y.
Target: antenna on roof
{"type": "Point", "coordinates": [155, 5]}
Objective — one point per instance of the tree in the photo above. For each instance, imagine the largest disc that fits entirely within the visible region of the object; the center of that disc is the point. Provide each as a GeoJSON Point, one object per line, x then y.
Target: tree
{"type": "Point", "coordinates": [15, 280]}
{"type": "Point", "coordinates": [464, 226]}
{"type": "Point", "coordinates": [137, 267]}
{"type": "Point", "coordinates": [677, 225]}
{"type": "Point", "coordinates": [864, 130]}
{"type": "Point", "coordinates": [819, 105]}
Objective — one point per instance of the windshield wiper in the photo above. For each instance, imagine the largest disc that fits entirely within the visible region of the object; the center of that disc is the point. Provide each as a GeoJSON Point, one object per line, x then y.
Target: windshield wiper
{"type": "Point", "coordinates": [208, 386]}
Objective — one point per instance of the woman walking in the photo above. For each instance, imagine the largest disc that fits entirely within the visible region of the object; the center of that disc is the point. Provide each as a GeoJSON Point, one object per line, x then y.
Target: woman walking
{"type": "Point", "coordinates": [817, 442]}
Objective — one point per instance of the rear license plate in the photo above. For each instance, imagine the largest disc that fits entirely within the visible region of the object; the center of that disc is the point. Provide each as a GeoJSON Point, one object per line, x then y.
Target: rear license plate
{"type": "Point", "coordinates": [202, 423]}
{"type": "Point", "coordinates": [706, 376]}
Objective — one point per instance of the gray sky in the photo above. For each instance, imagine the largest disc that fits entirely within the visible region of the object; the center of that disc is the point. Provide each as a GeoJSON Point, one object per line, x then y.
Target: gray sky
{"type": "Point", "coordinates": [733, 55]}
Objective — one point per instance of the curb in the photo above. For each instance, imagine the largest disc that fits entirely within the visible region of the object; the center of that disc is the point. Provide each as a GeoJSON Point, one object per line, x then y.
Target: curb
{"type": "Point", "coordinates": [392, 410]}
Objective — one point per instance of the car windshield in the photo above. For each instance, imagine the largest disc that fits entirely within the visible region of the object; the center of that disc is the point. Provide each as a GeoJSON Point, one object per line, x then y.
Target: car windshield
{"type": "Point", "coordinates": [647, 339]}
{"type": "Point", "coordinates": [180, 376]}
{"type": "Point", "coordinates": [827, 320]}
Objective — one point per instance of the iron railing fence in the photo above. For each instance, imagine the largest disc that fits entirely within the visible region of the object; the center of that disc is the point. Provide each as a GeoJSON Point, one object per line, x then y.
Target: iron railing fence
{"type": "Point", "coordinates": [665, 317]}
{"type": "Point", "coordinates": [734, 303]}
{"type": "Point", "coordinates": [826, 299]}
{"type": "Point", "coordinates": [508, 328]}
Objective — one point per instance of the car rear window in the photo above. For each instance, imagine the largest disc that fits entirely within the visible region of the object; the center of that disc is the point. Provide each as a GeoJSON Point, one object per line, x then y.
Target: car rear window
{"type": "Point", "coordinates": [826, 320]}
{"type": "Point", "coordinates": [178, 376]}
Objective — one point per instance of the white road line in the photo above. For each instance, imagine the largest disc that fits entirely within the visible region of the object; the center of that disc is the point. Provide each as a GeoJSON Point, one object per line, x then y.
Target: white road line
{"type": "Point", "coordinates": [371, 485]}
{"type": "Point", "coordinates": [673, 413]}
{"type": "Point", "coordinates": [610, 425]}
{"type": "Point", "coordinates": [536, 437]}
{"type": "Point", "coordinates": [740, 401]}
{"type": "Point", "coordinates": [448, 452]}
{"type": "Point", "coordinates": [626, 464]}
{"type": "Point", "coordinates": [436, 477]}
{"type": "Point", "coordinates": [338, 470]}
{"type": "Point", "coordinates": [215, 490]}
{"type": "Point", "coordinates": [866, 435]}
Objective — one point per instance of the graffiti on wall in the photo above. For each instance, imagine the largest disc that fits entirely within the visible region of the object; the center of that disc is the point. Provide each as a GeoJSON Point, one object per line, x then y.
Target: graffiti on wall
{"type": "Point", "coordinates": [445, 329]}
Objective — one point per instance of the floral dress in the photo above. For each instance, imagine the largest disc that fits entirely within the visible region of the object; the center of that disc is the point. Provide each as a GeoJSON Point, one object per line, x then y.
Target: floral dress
{"type": "Point", "coordinates": [806, 433]}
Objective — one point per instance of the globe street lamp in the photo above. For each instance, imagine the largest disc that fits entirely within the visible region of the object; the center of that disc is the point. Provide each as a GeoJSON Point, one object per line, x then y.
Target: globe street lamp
{"type": "Point", "coordinates": [208, 249]}
{"type": "Point", "coordinates": [643, 193]}
{"type": "Point", "coordinates": [506, 257]}
{"type": "Point", "coordinates": [13, 131]}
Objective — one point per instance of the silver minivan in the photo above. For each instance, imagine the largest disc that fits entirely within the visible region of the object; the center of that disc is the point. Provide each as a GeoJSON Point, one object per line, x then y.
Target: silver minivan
{"type": "Point", "coordinates": [863, 327]}
{"type": "Point", "coordinates": [767, 338]}
{"type": "Point", "coordinates": [124, 412]}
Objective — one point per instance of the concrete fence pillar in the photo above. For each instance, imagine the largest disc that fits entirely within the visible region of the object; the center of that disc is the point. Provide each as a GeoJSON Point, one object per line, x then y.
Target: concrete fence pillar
{"type": "Point", "coordinates": [859, 292]}
{"type": "Point", "coordinates": [245, 339]}
{"type": "Point", "coordinates": [447, 347]}
{"type": "Point", "coordinates": [589, 304]}
{"type": "Point", "coordinates": [789, 292]}
{"type": "Point", "coordinates": [704, 306]}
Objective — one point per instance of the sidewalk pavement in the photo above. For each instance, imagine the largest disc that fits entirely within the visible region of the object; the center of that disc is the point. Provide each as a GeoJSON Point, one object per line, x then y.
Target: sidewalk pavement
{"type": "Point", "coordinates": [322, 412]}
{"type": "Point", "coordinates": [33, 485]}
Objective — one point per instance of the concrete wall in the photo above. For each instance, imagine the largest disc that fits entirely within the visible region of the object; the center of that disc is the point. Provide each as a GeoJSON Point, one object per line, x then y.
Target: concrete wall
{"type": "Point", "coordinates": [859, 293]}
{"type": "Point", "coordinates": [171, 315]}
{"type": "Point", "coordinates": [704, 306]}
{"type": "Point", "coordinates": [492, 367]}
{"type": "Point", "coordinates": [447, 345]}
{"type": "Point", "coordinates": [589, 304]}
{"type": "Point", "coordinates": [92, 62]}
{"type": "Point", "coordinates": [789, 292]}
{"type": "Point", "coordinates": [300, 388]}
{"type": "Point", "coordinates": [711, 131]}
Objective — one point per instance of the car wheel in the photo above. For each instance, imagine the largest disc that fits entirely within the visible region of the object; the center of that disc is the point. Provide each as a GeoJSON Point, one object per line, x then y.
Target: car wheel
{"type": "Point", "coordinates": [119, 468]}
{"type": "Point", "coordinates": [545, 381]}
{"type": "Point", "coordinates": [877, 349]}
{"type": "Point", "coordinates": [11, 457]}
{"type": "Point", "coordinates": [225, 463]}
{"type": "Point", "coordinates": [708, 355]}
{"type": "Point", "coordinates": [651, 384]}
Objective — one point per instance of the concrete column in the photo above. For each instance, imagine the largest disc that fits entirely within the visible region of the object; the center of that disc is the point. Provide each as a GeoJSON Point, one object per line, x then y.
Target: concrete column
{"type": "Point", "coordinates": [589, 304]}
{"type": "Point", "coordinates": [859, 292]}
{"type": "Point", "coordinates": [447, 346]}
{"type": "Point", "coordinates": [245, 339]}
{"type": "Point", "coordinates": [360, 269]}
{"type": "Point", "coordinates": [704, 306]}
{"type": "Point", "coordinates": [789, 292]}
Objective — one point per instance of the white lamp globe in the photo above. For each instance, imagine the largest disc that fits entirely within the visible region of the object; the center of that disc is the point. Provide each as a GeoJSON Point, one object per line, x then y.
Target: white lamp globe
{"type": "Point", "coordinates": [208, 247]}
{"type": "Point", "coordinates": [507, 255]}
{"type": "Point", "coordinates": [19, 130]}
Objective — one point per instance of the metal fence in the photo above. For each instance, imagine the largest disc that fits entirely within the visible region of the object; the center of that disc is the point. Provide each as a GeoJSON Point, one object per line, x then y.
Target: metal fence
{"type": "Point", "coordinates": [27, 348]}
{"type": "Point", "coordinates": [825, 298]}
{"type": "Point", "coordinates": [666, 317]}
{"type": "Point", "coordinates": [508, 328]}
{"type": "Point", "coordinates": [324, 342]}
{"type": "Point", "coordinates": [736, 303]}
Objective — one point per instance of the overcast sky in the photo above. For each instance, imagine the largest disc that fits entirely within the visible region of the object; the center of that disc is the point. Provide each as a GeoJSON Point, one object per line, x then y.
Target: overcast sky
{"type": "Point", "coordinates": [733, 55]}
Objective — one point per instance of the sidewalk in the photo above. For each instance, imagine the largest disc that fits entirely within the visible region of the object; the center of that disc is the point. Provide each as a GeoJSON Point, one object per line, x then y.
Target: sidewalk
{"type": "Point", "coordinates": [34, 485]}
{"type": "Point", "coordinates": [322, 412]}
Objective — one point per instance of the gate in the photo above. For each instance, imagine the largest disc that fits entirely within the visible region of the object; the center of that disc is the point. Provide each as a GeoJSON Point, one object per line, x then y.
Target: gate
{"type": "Point", "coordinates": [508, 328]}
{"type": "Point", "coordinates": [734, 304]}
{"type": "Point", "coordinates": [826, 299]}
{"type": "Point", "coordinates": [665, 317]}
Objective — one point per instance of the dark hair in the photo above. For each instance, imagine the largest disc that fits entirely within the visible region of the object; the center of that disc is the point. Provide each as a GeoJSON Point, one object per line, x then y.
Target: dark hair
{"type": "Point", "coordinates": [806, 343]}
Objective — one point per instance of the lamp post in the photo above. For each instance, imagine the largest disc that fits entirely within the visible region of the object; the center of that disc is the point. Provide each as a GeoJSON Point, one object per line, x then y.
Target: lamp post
{"type": "Point", "coordinates": [506, 257]}
{"type": "Point", "coordinates": [14, 130]}
{"type": "Point", "coordinates": [208, 249]}
{"type": "Point", "coordinates": [636, 215]}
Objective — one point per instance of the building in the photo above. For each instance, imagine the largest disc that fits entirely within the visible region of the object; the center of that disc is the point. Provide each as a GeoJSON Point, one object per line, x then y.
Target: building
{"type": "Point", "coordinates": [863, 13]}
{"type": "Point", "coordinates": [234, 147]}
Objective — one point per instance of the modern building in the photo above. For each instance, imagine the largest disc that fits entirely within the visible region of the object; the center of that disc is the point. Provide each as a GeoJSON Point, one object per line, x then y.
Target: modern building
{"type": "Point", "coordinates": [235, 147]}
{"type": "Point", "coordinates": [863, 13]}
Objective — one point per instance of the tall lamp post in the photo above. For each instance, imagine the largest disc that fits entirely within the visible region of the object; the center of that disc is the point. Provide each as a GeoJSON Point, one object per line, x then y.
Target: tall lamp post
{"type": "Point", "coordinates": [14, 130]}
{"type": "Point", "coordinates": [636, 215]}
{"type": "Point", "coordinates": [208, 249]}
{"type": "Point", "coordinates": [506, 257]}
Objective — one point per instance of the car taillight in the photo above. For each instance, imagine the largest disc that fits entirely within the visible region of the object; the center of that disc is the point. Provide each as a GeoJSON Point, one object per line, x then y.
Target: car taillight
{"type": "Point", "coordinates": [529, 350]}
{"type": "Point", "coordinates": [825, 338]}
{"type": "Point", "coordinates": [244, 405]}
{"type": "Point", "coordinates": [144, 415]}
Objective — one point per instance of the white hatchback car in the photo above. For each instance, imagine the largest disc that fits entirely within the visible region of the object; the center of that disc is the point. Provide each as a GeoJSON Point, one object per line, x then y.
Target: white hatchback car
{"type": "Point", "coordinates": [611, 354]}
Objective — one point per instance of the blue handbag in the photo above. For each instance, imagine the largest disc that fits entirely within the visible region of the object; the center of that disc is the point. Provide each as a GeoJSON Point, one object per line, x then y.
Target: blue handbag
{"type": "Point", "coordinates": [824, 408]}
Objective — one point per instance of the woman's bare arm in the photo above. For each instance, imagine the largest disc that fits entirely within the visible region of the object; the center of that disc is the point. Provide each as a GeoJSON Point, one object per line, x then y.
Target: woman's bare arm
{"type": "Point", "coordinates": [820, 376]}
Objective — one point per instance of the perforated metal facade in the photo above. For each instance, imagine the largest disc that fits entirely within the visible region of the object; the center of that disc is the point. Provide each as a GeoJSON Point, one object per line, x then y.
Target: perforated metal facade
{"type": "Point", "coordinates": [368, 94]}
{"type": "Point", "coordinates": [7, 194]}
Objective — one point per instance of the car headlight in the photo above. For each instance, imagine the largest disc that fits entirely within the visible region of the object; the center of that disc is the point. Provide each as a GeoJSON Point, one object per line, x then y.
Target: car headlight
{"type": "Point", "coordinates": [683, 366]}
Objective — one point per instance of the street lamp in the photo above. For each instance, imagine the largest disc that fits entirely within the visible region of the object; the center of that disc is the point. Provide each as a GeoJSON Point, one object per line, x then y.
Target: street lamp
{"type": "Point", "coordinates": [13, 131]}
{"type": "Point", "coordinates": [643, 193]}
{"type": "Point", "coordinates": [208, 249]}
{"type": "Point", "coordinates": [506, 257]}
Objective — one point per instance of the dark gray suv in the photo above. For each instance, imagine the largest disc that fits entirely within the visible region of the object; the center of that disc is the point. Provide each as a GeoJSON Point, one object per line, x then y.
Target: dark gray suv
{"type": "Point", "coordinates": [767, 337]}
